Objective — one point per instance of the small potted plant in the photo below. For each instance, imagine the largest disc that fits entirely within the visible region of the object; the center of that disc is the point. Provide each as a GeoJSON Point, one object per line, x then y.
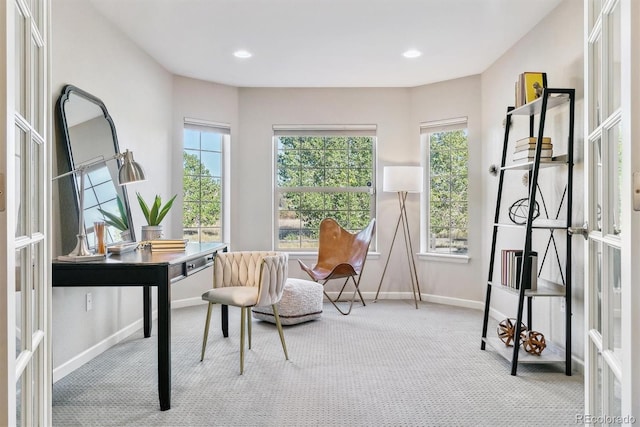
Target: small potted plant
{"type": "Point", "coordinates": [154, 216]}
{"type": "Point", "coordinates": [118, 221]}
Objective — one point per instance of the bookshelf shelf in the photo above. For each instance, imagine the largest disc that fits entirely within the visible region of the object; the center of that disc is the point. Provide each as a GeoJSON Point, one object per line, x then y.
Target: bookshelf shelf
{"type": "Point", "coordinates": [555, 98]}
{"type": "Point", "coordinates": [514, 266]}
{"type": "Point", "coordinates": [537, 225]}
{"type": "Point", "coordinates": [553, 163]}
{"type": "Point", "coordinates": [551, 354]}
{"type": "Point", "coordinates": [545, 289]}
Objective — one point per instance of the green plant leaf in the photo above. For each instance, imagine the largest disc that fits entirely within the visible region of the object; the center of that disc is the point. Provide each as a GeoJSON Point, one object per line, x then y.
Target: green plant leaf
{"type": "Point", "coordinates": [156, 214]}
{"type": "Point", "coordinates": [123, 214]}
{"type": "Point", "coordinates": [163, 212]}
{"type": "Point", "coordinates": [144, 207]}
{"type": "Point", "coordinates": [114, 220]}
{"type": "Point", "coordinates": [153, 214]}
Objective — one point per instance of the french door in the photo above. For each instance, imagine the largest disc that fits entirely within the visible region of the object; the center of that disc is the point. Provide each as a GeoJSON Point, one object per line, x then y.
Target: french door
{"type": "Point", "coordinates": [25, 365]}
{"type": "Point", "coordinates": [612, 155]}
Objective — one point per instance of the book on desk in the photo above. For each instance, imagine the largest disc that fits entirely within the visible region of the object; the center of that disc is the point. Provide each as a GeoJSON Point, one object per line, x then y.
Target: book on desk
{"type": "Point", "coordinates": [168, 245]}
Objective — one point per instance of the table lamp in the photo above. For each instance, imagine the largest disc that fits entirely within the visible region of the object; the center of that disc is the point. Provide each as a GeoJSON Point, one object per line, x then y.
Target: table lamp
{"type": "Point", "coordinates": [129, 172]}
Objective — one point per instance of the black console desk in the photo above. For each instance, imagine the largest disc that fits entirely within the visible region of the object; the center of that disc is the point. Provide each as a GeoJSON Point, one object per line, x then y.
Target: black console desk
{"type": "Point", "coordinates": [145, 268]}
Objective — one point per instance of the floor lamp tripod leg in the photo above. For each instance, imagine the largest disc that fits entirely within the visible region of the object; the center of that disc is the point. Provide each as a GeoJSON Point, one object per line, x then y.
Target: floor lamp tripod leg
{"type": "Point", "coordinates": [405, 230]}
{"type": "Point", "coordinates": [388, 257]}
{"type": "Point", "coordinates": [410, 255]}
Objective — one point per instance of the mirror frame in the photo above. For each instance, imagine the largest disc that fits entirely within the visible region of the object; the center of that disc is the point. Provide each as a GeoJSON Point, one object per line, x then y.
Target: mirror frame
{"type": "Point", "coordinates": [67, 91]}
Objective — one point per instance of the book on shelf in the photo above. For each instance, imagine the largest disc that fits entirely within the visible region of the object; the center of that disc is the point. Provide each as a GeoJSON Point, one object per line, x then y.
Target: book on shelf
{"type": "Point", "coordinates": [532, 147]}
{"type": "Point", "coordinates": [532, 141]}
{"type": "Point", "coordinates": [512, 268]}
{"type": "Point", "coordinates": [530, 154]}
{"type": "Point", "coordinates": [529, 87]}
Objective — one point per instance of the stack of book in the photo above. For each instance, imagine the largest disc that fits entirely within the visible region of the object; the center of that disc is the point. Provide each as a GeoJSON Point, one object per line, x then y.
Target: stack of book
{"type": "Point", "coordinates": [168, 245]}
{"type": "Point", "coordinates": [512, 268]}
{"type": "Point", "coordinates": [526, 149]}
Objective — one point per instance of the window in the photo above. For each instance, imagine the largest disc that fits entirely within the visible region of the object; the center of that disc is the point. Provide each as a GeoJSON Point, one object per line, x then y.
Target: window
{"type": "Point", "coordinates": [202, 181]}
{"type": "Point", "coordinates": [326, 172]}
{"type": "Point", "coordinates": [447, 207]}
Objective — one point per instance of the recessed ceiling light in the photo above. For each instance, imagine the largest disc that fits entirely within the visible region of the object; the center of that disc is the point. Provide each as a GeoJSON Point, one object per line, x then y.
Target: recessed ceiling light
{"type": "Point", "coordinates": [242, 54]}
{"type": "Point", "coordinates": [412, 53]}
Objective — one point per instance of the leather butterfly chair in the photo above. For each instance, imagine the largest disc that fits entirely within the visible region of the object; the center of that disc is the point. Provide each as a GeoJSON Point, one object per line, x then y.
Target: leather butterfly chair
{"type": "Point", "coordinates": [245, 280]}
{"type": "Point", "coordinates": [341, 255]}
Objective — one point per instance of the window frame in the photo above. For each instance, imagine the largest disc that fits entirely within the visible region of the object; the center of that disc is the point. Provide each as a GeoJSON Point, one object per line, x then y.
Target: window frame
{"type": "Point", "coordinates": [225, 131]}
{"type": "Point", "coordinates": [321, 131]}
{"type": "Point", "coordinates": [426, 129]}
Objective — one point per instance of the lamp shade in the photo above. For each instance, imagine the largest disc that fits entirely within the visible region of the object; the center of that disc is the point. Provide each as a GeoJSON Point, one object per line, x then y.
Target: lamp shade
{"type": "Point", "coordinates": [402, 178]}
{"type": "Point", "coordinates": [130, 171]}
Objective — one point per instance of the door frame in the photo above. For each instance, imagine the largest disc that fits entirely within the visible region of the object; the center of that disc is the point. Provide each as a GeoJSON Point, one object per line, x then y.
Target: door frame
{"type": "Point", "coordinates": [629, 377]}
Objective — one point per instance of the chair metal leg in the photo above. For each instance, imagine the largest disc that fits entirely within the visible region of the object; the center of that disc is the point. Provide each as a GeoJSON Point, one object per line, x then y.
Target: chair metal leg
{"type": "Point", "coordinates": [279, 325]}
{"type": "Point", "coordinates": [242, 317]}
{"type": "Point", "coordinates": [249, 325]}
{"type": "Point", "coordinates": [344, 285]}
{"type": "Point", "coordinates": [353, 297]}
{"type": "Point", "coordinates": [206, 331]}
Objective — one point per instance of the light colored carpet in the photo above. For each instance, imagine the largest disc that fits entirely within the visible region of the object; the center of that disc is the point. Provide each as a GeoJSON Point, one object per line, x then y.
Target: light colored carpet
{"type": "Point", "coordinates": [386, 364]}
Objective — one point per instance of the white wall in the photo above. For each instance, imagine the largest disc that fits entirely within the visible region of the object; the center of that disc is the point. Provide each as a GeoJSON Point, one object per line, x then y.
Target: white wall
{"type": "Point", "coordinates": [555, 47]}
{"type": "Point", "coordinates": [446, 100]}
{"type": "Point", "coordinates": [89, 53]}
{"type": "Point", "coordinates": [197, 99]}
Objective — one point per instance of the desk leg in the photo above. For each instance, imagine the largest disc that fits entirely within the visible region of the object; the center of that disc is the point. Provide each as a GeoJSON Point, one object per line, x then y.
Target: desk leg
{"type": "Point", "coordinates": [164, 343]}
{"type": "Point", "coordinates": [225, 321]}
{"type": "Point", "coordinates": [146, 308]}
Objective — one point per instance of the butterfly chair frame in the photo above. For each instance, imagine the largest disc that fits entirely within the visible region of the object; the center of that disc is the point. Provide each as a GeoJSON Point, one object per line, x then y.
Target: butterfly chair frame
{"type": "Point", "coordinates": [341, 255]}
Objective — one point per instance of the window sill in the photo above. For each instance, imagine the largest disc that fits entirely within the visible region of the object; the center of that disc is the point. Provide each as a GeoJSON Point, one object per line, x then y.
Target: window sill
{"type": "Point", "coordinates": [457, 259]}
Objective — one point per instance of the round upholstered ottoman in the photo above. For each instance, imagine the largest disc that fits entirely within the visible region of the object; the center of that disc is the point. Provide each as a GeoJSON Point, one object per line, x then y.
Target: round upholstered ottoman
{"type": "Point", "coordinates": [301, 301]}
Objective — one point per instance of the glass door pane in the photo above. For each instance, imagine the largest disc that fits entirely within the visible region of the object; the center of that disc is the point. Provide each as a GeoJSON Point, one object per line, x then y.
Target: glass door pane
{"type": "Point", "coordinates": [595, 6]}
{"type": "Point", "coordinates": [596, 297]}
{"type": "Point", "coordinates": [37, 165]}
{"type": "Point", "coordinates": [614, 297]}
{"type": "Point", "coordinates": [614, 144]}
{"type": "Point", "coordinates": [20, 181]}
{"type": "Point", "coordinates": [596, 186]}
{"type": "Point", "coordinates": [613, 70]}
{"type": "Point", "coordinates": [21, 65]}
{"type": "Point", "coordinates": [595, 111]}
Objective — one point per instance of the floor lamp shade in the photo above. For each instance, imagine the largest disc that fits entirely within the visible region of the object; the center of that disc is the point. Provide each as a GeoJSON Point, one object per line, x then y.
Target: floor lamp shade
{"type": "Point", "coordinates": [402, 179]}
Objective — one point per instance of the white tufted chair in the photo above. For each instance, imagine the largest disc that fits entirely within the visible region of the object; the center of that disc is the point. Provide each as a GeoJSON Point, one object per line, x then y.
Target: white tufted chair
{"type": "Point", "coordinates": [245, 280]}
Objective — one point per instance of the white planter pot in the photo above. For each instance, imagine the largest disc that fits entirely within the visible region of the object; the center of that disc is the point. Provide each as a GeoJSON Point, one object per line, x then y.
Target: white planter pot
{"type": "Point", "coordinates": [151, 232]}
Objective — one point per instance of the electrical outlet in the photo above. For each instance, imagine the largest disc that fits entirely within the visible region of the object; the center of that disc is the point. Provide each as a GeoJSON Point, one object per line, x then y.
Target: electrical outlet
{"type": "Point", "coordinates": [89, 299]}
{"type": "Point", "coordinates": [563, 305]}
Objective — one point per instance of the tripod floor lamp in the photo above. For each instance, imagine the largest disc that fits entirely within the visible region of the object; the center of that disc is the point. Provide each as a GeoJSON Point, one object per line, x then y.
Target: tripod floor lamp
{"type": "Point", "coordinates": [129, 172]}
{"type": "Point", "coordinates": [403, 180]}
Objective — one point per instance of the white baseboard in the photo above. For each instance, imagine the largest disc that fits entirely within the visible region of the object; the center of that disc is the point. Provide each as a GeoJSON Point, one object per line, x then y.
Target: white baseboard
{"type": "Point", "coordinates": [437, 299]}
{"type": "Point", "coordinates": [187, 302]}
{"type": "Point", "coordinates": [92, 352]}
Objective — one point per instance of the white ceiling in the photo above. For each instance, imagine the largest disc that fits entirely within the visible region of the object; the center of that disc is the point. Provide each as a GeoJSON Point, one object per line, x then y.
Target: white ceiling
{"type": "Point", "coordinates": [325, 43]}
